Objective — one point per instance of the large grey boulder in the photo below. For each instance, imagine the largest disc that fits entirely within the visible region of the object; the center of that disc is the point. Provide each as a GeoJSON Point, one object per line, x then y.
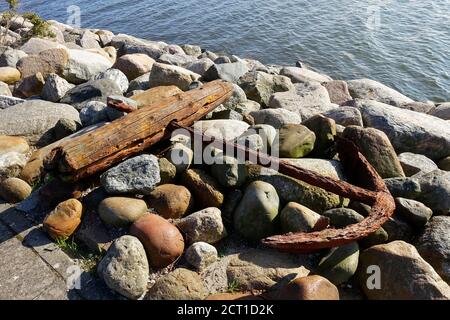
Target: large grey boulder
{"type": "Point", "coordinates": [203, 226]}
{"type": "Point", "coordinates": [34, 120]}
{"type": "Point", "coordinates": [94, 90]}
{"type": "Point", "coordinates": [139, 175]}
{"type": "Point", "coordinates": [260, 86]}
{"type": "Point", "coordinates": [166, 75]}
{"type": "Point", "coordinates": [405, 275]}
{"type": "Point", "coordinates": [434, 245]}
{"type": "Point", "coordinates": [115, 75]}
{"type": "Point", "coordinates": [222, 129]}
{"type": "Point", "coordinates": [200, 66]}
{"type": "Point", "coordinates": [414, 163]}
{"type": "Point", "coordinates": [152, 50]}
{"type": "Point", "coordinates": [237, 98]}
{"type": "Point", "coordinates": [345, 116]}
{"type": "Point", "coordinates": [408, 131]}
{"type": "Point", "coordinates": [105, 37]}
{"type": "Point", "coordinates": [378, 150]}
{"type": "Point", "coordinates": [93, 112]}
{"type": "Point", "coordinates": [126, 44]}
{"type": "Point", "coordinates": [83, 65]}
{"type": "Point", "coordinates": [277, 118]}
{"type": "Point", "coordinates": [180, 60]}
{"type": "Point", "coordinates": [424, 107]}
{"type": "Point", "coordinates": [134, 65]}
{"type": "Point", "coordinates": [307, 100]}
{"type": "Point", "coordinates": [36, 45]}
{"type": "Point", "coordinates": [312, 93]}
{"type": "Point", "coordinates": [55, 88]}
{"type": "Point", "coordinates": [302, 75]}
{"type": "Point", "coordinates": [8, 101]}
{"type": "Point", "coordinates": [10, 57]}
{"type": "Point", "coordinates": [230, 72]}
{"type": "Point", "coordinates": [192, 50]}
{"type": "Point", "coordinates": [173, 49]}
{"type": "Point", "coordinates": [255, 65]}
{"type": "Point", "coordinates": [435, 191]}
{"type": "Point", "coordinates": [373, 90]}
{"type": "Point", "coordinates": [89, 40]}
{"type": "Point", "coordinates": [140, 83]}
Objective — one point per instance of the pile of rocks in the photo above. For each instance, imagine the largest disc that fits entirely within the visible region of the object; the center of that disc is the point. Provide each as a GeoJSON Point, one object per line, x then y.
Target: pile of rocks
{"type": "Point", "coordinates": [162, 222]}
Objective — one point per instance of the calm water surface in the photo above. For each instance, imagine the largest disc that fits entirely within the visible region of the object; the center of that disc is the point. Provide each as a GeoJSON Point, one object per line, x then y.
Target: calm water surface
{"type": "Point", "coordinates": [402, 43]}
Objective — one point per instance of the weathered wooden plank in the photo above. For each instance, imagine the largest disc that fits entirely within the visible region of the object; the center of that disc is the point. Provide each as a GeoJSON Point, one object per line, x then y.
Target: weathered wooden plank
{"type": "Point", "coordinates": [101, 148]}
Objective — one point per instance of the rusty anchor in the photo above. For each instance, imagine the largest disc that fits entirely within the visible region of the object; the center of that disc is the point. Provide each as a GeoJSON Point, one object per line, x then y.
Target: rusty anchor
{"type": "Point", "coordinates": [94, 152]}
{"type": "Point", "coordinates": [376, 195]}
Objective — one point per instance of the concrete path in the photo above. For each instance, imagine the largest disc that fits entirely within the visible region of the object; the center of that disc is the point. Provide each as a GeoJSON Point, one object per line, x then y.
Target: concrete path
{"type": "Point", "coordinates": [34, 267]}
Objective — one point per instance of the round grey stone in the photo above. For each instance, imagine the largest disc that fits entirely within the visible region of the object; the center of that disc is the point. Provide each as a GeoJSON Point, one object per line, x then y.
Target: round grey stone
{"type": "Point", "coordinates": [115, 75]}
{"type": "Point", "coordinates": [125, 267]}
{"type": "Point", "coordinates": [201, 254]}
{"type": "Point", "coordinates": [203, 226]}
{"type": "Point", "coordinates": [139, 175]}
{"type": "Point", "coordinates": [93, 112]}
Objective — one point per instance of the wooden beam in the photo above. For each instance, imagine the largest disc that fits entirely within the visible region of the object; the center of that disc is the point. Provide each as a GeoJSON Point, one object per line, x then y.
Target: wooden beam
{"type": "Point", "coordinates": [100, 149]}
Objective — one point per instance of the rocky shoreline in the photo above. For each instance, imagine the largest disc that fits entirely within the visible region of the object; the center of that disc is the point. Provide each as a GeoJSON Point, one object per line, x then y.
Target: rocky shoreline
{"type": "Point", "coordinates": [161, 229]}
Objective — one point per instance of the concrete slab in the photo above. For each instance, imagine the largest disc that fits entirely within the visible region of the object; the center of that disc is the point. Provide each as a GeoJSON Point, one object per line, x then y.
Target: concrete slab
{"type": "Point", "coordinates": [32, 266]}
{"type": "Point", "coordinates": [23, 274]}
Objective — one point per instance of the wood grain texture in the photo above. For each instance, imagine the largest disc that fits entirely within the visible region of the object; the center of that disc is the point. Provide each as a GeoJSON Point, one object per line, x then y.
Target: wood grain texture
{"type": "Point", "coordinates": [129, 135]}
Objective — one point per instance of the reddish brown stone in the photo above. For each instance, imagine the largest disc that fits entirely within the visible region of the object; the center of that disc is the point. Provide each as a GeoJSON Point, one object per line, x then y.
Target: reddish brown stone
{"type": "Point", "coordinates": [162, 241]}
{"type": "Point", "coordinates": [308, 288]}
{"type": "Point", "coordinates": [46, 62]}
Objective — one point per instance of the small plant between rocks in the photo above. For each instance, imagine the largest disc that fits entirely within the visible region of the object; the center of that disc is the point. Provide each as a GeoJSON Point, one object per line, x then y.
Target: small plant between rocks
{"type": "Point", "coordinates": [40, 27]}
